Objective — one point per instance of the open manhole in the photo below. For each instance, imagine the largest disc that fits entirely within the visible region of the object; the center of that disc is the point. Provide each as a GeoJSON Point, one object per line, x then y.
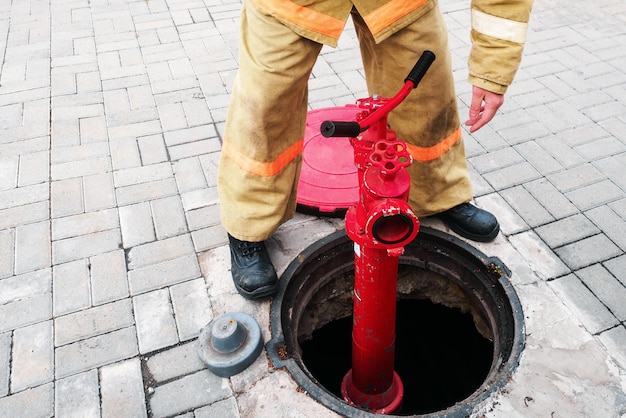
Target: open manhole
{"type": "Point", "coordinates": [459, 327]}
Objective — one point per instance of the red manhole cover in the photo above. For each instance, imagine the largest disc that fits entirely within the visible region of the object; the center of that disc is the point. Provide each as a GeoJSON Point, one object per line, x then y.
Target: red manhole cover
{"type": "Point", "coordinates": [328, 181]}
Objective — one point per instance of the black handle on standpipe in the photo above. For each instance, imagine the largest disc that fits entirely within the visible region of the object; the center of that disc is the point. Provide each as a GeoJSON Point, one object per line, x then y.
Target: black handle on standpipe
{"type": "Point", "coordinates": [420, 68]}
{"type": "Point", "coordinates": [331, 128]}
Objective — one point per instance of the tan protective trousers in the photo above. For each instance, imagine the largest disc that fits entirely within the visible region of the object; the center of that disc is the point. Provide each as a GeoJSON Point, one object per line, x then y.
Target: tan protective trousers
{"type": "Point", "coordinates": [261, 151]}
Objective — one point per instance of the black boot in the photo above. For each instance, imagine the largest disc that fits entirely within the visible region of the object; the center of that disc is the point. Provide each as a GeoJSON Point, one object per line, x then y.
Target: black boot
{"type": "Point", "coordinates": [253, 273]}
{"type": "Point", "coordinates": [471, 222]}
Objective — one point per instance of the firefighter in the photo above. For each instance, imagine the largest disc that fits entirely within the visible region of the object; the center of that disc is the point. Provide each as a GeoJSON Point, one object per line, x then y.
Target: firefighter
{"type": "Point", "coordinates": [262, 145]}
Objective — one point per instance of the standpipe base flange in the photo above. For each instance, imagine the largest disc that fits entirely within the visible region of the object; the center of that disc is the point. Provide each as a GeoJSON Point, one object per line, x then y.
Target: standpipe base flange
{"type": "Point", "coordinates": [230, 343]}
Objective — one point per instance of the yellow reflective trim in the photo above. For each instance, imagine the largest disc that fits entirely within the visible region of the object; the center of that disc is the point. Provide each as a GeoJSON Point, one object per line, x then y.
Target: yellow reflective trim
{"type": "Point", "coordinates": [424, 154]}
{"type": "Point", "coordinates": [390, 12]}
{"type": "Point", "coordinates": [260, 168]}
{"type": "Point", "coordinates": [498, 27]}
{"type": "Point", "coordinates": [306, 18]}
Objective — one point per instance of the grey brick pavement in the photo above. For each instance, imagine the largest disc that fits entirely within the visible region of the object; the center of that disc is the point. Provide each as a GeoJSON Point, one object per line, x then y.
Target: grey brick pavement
{"type": "Point", "coordinates": [111, 114]}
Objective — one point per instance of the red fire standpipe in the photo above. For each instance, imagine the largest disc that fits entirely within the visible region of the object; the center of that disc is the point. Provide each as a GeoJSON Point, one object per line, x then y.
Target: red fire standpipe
{"type": "Point", "coordinates": [381, 224]}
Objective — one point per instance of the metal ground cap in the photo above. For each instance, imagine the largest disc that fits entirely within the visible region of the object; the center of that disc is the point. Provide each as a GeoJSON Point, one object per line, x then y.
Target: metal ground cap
{"type": "Point", "coordinates": [230, 343]}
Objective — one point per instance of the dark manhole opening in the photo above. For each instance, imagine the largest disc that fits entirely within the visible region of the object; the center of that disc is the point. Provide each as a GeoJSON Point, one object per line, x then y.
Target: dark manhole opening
{"type": "Point", "coordinates": [459, 329]}
{"type": "Point", "coordinates": [440, 356]}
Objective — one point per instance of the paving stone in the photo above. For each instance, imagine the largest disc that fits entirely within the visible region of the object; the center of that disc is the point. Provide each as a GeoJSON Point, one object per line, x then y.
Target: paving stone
{"type": "Point", "coordinates": [615, 126]}
{"type": "Point", "coordinates": [159, 251]}
{"type": "Point", "coordinates": [23, 195]}
{"type": "Point", "coordinates": [25, 312]}
{"type": "Point", "coordinates": [146, 191]}
{"type": "Point", "coordinates": [140, 96]}
{"type": "Point", "coordinates": [34, 169]}
{"type": "Point", "coordinates": [84, 224]}
{"type": "Point", "coordinates": [617, 267]}
{"type": "Point", "coordinates": [122, 390]}
{"type": "Point", "coordinates": [199, 198]}
{"type": "Point", "coordinates": [84, 152]}
{"type": "Point", "coordinates": [612, 167]}
{"type": "Point", "coordinates": [159, 275]}
{"type": "Point", "coordinates": [85, 246]}
{"type": "Point", "coordinates": [78, 395]}
{"type": "Point", "coordinates": [612, 224]}
{"type": "Point", "coordinates": [576, 177]}
{"type": "Point", "coordinates": [25, 146]}
{"type": "Point", "coordinates": [169, 217]}
{"type": "Point", "coordinates": [66, 132]}
{"type": "Point", "coordinates": [95, 352]}
{"type": "Point", "coordinates": [98, 192]}
{"type": "Point", "coordinates": [225, 408]}
{"type": "Point", "coordinates": [208, 238]}
{"type": "Point", "coordinates": [203, 217]}
{"type": "Point", "coordinates": [588, 251]}
{"type": "Point", "coordinates": [196, 112]}
{"type": "Point", "coordinates": [192, 308]}
{"type": "Point", "coordinates": [512, 176]}
{"type": "Point", "coordinates": [189, 392]}
{"type": "Point", "coordinates": [135, 130]}
{"type": "Point", "coordinates": [615, 341]}
{"type": "Point", "coordinates": [70, 287]}
{"type": "Point", "coordinates": [81, 168]}
{"type": "Point", "coordinates": [561, 150]}
{"type": "Point", "coordinates": [152, 149]}
{"type": "Point", "coordinates": [526, 206]}
{"type": "Point", "coordinates": [583, 135]}
{"type": "Point", "coordinates": [189, 175]}
{"type": "Point", "coordinates": [25, 285]}
{"type": "Point", "coordinates": [8, 173]}
{"type": "Point", "coordinates": [193, 149]}
{"type": "Point", "coordinates": [156, 327]}
{"type": "Point", "coordinates": [542, 161]}
{"type": "Point", "coordinates": [35, 403]}
{"type": "Point", "coordinates": [7, 249]}
{"type": "Point", "coordinates": [190, 135]}
{"type": "Point", "coordinates": [93, 321]}
{"type": "Point", "coordinates": [5, 363]}
{"type": "Point", "coordinates": [108, 277]}
{"type": "Point", "coordinates": [550, 198]}
{"type": "Point", "coordinates": [567, 230]}
{"type": "Point", "coordinates": [606, 288]}
{"type": "Point", "coordinates": [32, 247]}
{"type": "Point", "coordinates": [591, 312]}
{"type": "Point", "coordinates": [600, 148]}
{"type": "Point", "coordinates": [172, 116]}
{"type": "Point", "coordinates": [175, 362]}
{"type": "Point", "coordinates": [129, 117]}
{"type": "Point", "coordinates": [210, 163]}
{"type": "Point", "coordinates": [593, 195]}
{"type": "Point", "coordinates": [32, 362]}
{"type": "Point", "coordinates": [495, 160]}
{"type": "Point", "coordinates": [67, 197]}
{"type": "Point", "coordinates": [136, 224]}
{"type": "Point", "coordinates": [22, 215]}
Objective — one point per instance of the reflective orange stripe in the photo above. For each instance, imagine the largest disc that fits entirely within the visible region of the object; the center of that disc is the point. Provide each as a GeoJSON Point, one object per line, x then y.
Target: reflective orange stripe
{"type": "Point", "coordinates": [306, 18]}
{"type": "Point", "coordinates": [424, 154]}
{"type": "Point", "coordinates": [260, 168]}
{"type": "Point", "coordinates": [390, 12]}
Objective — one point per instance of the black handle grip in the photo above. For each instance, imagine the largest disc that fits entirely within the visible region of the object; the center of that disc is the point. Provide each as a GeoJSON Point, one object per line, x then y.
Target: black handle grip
{"type": "Point", "coordinates": [420, 68]}
{"type": "Point", "coordinates": [331, 128]}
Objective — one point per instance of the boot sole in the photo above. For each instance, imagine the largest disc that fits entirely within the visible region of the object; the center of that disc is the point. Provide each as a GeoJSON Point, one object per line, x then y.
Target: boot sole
{"type": "Point", "coordinates": [263, 292]}
{"type": "Point", "coordinates": [469, 235]}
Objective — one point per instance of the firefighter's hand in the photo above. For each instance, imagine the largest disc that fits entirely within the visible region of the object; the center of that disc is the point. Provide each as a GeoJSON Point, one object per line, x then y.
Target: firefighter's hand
{"type": "Point", "coordinates": [484, 106]}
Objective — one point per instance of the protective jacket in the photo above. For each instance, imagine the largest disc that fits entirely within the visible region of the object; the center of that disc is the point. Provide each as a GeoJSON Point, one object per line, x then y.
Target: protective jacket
{"type": "Point", "coordinates": [279, 44]}
{"type": "Point", "coordinates": [498, 28]}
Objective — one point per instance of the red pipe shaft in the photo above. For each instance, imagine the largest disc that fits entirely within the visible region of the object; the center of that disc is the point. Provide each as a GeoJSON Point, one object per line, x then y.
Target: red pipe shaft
{"type": "Point", "coordinates": [374, 333]}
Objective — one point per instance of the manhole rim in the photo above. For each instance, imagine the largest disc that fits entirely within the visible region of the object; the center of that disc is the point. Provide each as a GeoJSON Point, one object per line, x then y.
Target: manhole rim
{"type": "Point", "coordinates": [493, 382]}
